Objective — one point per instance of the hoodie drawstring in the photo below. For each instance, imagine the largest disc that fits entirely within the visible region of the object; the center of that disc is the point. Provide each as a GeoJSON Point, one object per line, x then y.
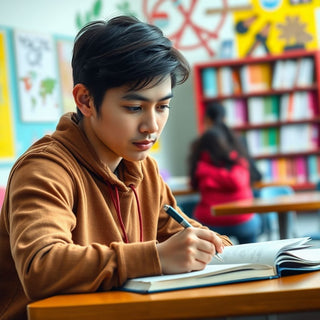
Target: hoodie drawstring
{"type": "Point", "coordinates": [116, 203]}
{"type": "Point", "coordinates": [139, 211]}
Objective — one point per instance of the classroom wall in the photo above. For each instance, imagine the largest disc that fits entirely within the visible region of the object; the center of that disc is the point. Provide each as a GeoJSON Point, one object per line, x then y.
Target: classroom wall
{"type": "Point", "coordinates": [203, 32]}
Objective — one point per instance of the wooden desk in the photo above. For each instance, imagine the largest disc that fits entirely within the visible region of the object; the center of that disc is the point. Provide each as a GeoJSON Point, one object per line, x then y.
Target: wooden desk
{"type": "Point", "coordinates": [288, 294]}
{"type": "Point", "coordinates": [300, 201]}
{"type": "Point", "coordinates": [187, 190]}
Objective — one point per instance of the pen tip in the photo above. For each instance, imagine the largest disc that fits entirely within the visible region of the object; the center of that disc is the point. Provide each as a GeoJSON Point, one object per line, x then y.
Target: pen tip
{"type": "Point", "coordinates": [165, 207]}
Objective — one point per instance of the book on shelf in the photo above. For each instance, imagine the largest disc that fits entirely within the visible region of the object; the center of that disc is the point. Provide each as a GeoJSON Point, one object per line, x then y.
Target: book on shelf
{"type": "Point", "coordinates": [255, 77]}
{"type": "Point", "coordinates": [244, 262]}
{"type": "Point", "coordinates": [263, 109]}
{"type": "Point", "coordinates": [297, 106]}
{"type": "Point", "coordinates": [290, 73]}
{"type": "Point", "coordinates": [225, 81]}
{"type": "Point", "coordinates": [265, 167]}
{"type": "Point", "coordinates": [277, 76]}
{"type": "Point", "coordinates": [297, 170]}
{"type": "Point", "coordinates": [262, 141]}
{"type": "Point", "coordinates": [209, 82]}
{"type": "Point", "coordinates": [282, 169]}
{"type": "Point", "coordinates": [284, 74]}
{"type": "Point", "coordinates": [298, 138]}
{"type": "Point", "coordinates": [235, 112]}
{"type": "Point", "coordinates": [313, 163]}
{"type": "Point", "coordinates": [255, 110]}
{"type": "Point", "coordinates": [301, 167]}
{"type": "Point", "coordinates": [305, 72]}
{"type": "Point", "coordinates": [236, 82]}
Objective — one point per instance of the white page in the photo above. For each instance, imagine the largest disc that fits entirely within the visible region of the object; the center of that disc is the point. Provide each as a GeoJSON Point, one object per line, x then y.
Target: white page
{"type": "Point", "coordinates": [209, 269]}
{"type": "Point", "coordinates": [311, 255]}
{"type": "Point", "coordinates": [260, 252]}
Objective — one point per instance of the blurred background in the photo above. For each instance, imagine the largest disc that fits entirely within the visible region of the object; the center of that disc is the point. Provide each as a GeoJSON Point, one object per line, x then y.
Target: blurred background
{"type": "Point", "coordinates": [36, 42]}
{"type": "Point", "coordinates": [36, 39]}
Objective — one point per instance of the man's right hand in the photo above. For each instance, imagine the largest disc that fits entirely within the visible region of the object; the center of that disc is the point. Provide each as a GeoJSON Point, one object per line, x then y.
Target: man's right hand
{"type": "Point", "coordinates": [188, 250]}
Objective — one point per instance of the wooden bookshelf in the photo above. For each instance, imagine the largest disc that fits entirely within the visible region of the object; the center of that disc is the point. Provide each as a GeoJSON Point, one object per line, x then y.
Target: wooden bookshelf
{"type": "Point", "coordinates": [274, 101]}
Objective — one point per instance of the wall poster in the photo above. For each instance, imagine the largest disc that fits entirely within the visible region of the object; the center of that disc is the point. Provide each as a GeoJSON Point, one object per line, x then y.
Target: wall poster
{"type": "Point", "coordinates": [37, 77]}
{"type": "Point", "coordinates": [6, 119]}
{"type": "Point", "coordinates": [274, 27]}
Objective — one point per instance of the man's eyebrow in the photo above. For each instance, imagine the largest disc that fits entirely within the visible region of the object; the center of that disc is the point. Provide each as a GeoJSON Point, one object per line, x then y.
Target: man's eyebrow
{"type": "Point", "coordinates": [137, 96]}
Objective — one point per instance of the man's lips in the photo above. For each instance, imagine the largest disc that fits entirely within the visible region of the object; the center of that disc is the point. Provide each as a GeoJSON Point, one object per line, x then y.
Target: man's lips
{"type": "Point", "coordinates": [144, 144]}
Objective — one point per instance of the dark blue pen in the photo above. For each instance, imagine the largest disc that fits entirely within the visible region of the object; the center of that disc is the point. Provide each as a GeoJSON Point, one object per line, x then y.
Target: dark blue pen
{"type": "Point", "coordinates": [181, 220]}
{"type": "Point", "coordinates": [176, 216]}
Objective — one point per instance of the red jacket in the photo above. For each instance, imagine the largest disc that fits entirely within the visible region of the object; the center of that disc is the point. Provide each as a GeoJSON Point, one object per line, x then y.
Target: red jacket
{"type": "Point", "coordinates": [219, 185]}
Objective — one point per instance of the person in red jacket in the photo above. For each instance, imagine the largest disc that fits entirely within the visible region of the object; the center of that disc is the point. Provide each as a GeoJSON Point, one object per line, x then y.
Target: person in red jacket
{"type": "Point", "coordinates": [219, 170]}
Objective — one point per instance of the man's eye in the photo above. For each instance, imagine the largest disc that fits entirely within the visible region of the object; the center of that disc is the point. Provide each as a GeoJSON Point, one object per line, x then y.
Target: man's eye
{"type": "Point", "coordinates": [163, 107]}
{"type": "Point", "coordinates": [133, 108]}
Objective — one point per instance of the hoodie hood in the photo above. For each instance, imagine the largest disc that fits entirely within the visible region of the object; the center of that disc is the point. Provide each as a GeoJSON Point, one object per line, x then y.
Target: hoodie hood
{"type": "Point", "coordinates": [69, 134]}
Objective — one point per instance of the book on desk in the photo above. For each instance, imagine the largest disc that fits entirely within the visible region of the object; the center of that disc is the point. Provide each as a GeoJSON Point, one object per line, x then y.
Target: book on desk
{"type": "Point", "coordinates": [244, 262]}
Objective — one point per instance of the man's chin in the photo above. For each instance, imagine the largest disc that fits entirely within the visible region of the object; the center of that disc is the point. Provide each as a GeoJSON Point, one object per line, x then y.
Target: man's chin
{"type": "Point", "coordinates": [141, 156]}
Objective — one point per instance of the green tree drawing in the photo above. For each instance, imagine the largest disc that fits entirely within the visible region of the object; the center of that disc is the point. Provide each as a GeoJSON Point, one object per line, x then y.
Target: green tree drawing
{"type": "Point", "coordinates": [92, 14]}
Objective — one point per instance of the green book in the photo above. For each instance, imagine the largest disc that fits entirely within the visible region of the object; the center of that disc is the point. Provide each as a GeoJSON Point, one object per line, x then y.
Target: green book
{"type": "Point", "coordinates": [273, 140]}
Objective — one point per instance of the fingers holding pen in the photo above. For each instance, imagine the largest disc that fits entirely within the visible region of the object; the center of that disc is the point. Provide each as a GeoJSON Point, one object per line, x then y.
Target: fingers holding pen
{"type": "Point", "coordinates": [188, 250]}
{"type": "Point", "coordinates": [210, 243]}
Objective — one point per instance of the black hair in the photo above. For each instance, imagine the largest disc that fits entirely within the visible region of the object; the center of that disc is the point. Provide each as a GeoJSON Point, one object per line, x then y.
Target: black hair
{"type": "Point", "coordinates": [217, 142]}
{"type": "Point", "coordinates": [124, 51]}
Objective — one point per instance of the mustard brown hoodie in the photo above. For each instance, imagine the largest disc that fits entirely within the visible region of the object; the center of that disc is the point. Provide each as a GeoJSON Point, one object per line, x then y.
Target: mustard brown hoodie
{"type": "Point", "coordinates": [60, 224]}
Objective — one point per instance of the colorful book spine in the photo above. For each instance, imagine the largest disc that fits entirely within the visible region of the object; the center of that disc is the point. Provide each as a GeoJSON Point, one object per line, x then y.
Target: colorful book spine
{"type": "Point", "coordinates": [209, 82]}
{"type": "Point", "coordinates": [301, 170]}
{"type": "Point", "coordinates": [255, 77]}
{"type": "Point", "coordinates": [313, 172]}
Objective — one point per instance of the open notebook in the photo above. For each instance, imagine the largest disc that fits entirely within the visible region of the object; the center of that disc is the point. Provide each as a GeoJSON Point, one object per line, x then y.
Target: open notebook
{"type": "Point", "coordinates": [245, 262]}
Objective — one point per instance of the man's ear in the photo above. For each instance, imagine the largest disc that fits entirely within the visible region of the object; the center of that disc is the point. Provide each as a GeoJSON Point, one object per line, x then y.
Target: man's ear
{"type": "Point", "coordinates": [83, 99]}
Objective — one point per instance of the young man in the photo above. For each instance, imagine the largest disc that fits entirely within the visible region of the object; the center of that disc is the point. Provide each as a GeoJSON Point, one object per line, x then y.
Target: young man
{"type": "Point", "coordinates": [84, 206]}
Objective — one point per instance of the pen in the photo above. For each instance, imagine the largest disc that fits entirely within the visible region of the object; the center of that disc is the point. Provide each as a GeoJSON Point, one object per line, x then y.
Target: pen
{"type": "Point", "coordinates": [182, 221]}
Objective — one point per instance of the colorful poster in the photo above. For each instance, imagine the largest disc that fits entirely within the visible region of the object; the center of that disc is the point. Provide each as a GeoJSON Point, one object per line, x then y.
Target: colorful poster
{"type": "Point", "coordinates": [198, 28]}
{"type": "Point", "coordinates": [64, 49]}
{"type": "Point", "coordinates": [6, 119]}
{"type": "Point", "coordinates": [37, 77]}
{"type": "Point", "coordinates": [275, 27]}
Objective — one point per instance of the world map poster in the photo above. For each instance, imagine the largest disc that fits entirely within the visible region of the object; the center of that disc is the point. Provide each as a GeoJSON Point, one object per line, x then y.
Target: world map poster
{"type": "Point", "coordinates": [37, 77]}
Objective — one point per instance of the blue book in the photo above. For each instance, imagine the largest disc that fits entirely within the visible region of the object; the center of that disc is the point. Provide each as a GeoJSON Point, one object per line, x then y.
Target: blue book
{"type": "Point", "coordinates": [313, 169]}
{"type": "Point", "coordinates": [209, 82]}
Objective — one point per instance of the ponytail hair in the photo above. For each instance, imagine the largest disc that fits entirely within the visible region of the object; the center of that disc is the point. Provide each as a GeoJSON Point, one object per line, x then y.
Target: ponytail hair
{"type": "Point", "coordinates": [219, 144]}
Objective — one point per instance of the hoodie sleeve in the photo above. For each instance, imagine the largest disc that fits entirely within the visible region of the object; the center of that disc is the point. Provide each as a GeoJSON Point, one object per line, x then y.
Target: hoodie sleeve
{"type": "Point", "coordinates": [42, 221]}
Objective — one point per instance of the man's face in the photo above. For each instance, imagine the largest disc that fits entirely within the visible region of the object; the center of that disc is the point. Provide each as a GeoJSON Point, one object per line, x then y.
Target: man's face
{"type": "Point", "coordinates": [129, 122]}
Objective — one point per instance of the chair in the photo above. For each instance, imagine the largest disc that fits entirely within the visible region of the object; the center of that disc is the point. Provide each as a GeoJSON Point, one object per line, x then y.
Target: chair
{"type": "Point", "coordinates": [270, 220]}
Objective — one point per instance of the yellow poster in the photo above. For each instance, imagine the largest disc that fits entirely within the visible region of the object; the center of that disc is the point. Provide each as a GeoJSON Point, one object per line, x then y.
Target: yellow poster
{"type": "Point", "coordinates": [276, 26]}
{"type": "Point", "coordinates": [6, 129]}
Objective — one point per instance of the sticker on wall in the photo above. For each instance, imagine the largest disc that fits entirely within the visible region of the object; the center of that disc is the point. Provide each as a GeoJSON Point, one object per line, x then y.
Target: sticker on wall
{"type": "Point", "coordinates": [270, 4]}
{"type": "Point", "coordinates": [6, 119]}
{"type": "Point", "coordinates": [293, 32]}
{"type": "Point", "coordinates": [275, 26]}
{"type": "Point", "coordinates": [37, 77]}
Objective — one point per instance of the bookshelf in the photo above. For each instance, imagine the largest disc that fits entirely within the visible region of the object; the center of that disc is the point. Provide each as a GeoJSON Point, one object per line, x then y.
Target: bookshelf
{"type": "Point", "coordinates": [274, 102]}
